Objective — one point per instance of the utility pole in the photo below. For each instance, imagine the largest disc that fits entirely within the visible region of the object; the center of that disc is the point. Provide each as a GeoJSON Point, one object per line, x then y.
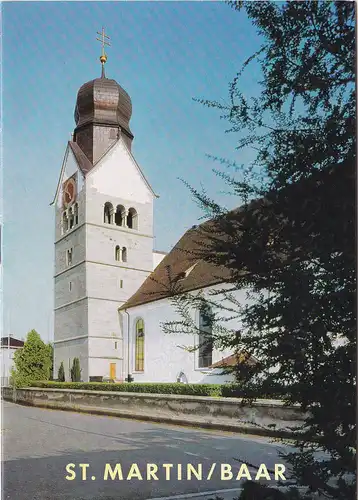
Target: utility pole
{"type": "Point", "coordinates": [8, 348]}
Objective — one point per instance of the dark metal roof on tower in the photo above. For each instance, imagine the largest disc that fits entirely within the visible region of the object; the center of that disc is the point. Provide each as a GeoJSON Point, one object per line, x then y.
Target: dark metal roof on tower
{"type": "Point", "coordinates": [103, 101]}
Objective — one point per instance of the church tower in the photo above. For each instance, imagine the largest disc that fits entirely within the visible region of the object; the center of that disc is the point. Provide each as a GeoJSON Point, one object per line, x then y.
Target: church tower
{"type": "Point", "coordinates": [103, 231]}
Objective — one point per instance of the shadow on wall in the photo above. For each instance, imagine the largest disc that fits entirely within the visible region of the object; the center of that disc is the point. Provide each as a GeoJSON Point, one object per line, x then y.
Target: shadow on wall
{"type": "Point", "coordinates": [216, 377]}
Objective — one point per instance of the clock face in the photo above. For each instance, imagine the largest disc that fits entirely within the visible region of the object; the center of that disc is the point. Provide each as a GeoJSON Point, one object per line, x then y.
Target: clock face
{"type": "Point", "coordinates": [69, 192]}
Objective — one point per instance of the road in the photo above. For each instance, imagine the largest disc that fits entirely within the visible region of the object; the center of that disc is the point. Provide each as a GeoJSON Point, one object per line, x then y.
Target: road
{"type": "Point", "coordinates": [39, 443]}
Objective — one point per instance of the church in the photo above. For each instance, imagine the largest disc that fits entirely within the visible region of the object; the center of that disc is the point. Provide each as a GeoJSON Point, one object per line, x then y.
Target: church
{"type": "Point", "coordinates": [109, 282]}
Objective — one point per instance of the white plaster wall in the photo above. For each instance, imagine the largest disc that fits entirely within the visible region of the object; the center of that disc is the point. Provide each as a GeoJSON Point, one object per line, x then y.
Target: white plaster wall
{"type": "Point", "coordinates": [103, 318]}
{"type": "Point", "coordinates": [105, 347]}
{"type": "Point", "coordinates": [164, 360]}
{"type": "Point", "coordinates": [102, 241]}
{"type": "Point", "coordinates": [95, 210]}
{"type": "Point", "coordinates": [7, 363]}
{"type": "Point", "coordinates": [157, 258]}
{"type": "Point", "coordinates": [66, 351]}
{"type": "Point", "coordinates": [71, 321]}
{"type": "Point", "coordinates": [101, 367]}
{"type": "Point", "coordinates": [74, 275]}
{"type": "Point", "coordinates": [75, 239]}
{"type": "Point", "coordinates": [117, 175]}
{"type": "Point", "coordinates": [103, 282]}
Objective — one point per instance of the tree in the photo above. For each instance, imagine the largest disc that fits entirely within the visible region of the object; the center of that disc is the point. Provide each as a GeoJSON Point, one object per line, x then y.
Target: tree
{"type": "Point", "coordinates": [293, 248]}
{"type": "Point", "coordinates": [32, 362]}
{"type": "Point", "coordinates": [76, 370]}
{"type": "Point", "coordinates": [50, 348]}
{"type": "Point", "coordinates": [61, 373]}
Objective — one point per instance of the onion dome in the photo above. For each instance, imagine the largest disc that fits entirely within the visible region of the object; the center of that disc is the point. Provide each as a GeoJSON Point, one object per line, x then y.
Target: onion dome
{"type": "Point", "coordinates": [103, 102]}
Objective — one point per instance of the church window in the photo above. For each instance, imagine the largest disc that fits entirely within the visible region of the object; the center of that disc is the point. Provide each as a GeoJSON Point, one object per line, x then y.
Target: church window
{"type": "Point", "coordinates": [117, 253]}
{"type": "Point", "coordinates": [64, 223]}
{"type": "Point", "coordinates": [118, 218]}
{"type": "Point", "coordinates": [205, 351]}
{"type": "Point", "coordinates": [132, 219]}
{"type": "Point", "coordinates": [70, 218]}
{"type": "Point", "coordinates": [76, 213]}
{"type": "Point", "coordinates": [70, 286]}
{"type": "Point", "coordinates": [124, 254]}
{"type": "Point", "coordinates": [115, 345]}
{"type": "Point", "coordinates": [120, 283]}
{"type": "Point", "coordinates": [108, 213]}
{"type": "Point", "coordinates": [69, 257]}
{"type": "Point", "coordinates": [139, 346]}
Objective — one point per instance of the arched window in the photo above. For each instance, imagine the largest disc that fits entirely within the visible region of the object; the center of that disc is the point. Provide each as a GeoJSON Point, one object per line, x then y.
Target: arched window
{"type": "Point", "coordinates": [119, 215]}
{"type": "Point", "coordinates": [76, 213]}
{"type": "Point", "coordinates": [124, 254]}
{"type": "Point", "coordinates": [139, 346]}
{"type": "Point", "coordinates": [108, 213]}
{"type": "Point", "coordinates": [70, 218]}
{"type": "Point", "coordinates": [117, 253]}
{"type": "Point", "coordinates": [132, 219]}
{"type": "Point", "coordinates": [205, 357]}
{"type": "Point", "coordinates": [64, 223]}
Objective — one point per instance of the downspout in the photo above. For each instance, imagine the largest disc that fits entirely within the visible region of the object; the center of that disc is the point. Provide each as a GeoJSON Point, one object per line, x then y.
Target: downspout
{"type": "Point", "coordinates": [129, 377]}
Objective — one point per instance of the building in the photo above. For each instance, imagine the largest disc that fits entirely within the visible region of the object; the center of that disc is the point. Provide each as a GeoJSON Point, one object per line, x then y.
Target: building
{"type": "Point", "coordinates": [9, 345]}
{"type": "Point", "coordinates": [104, 256]}
{"type": "Point", "coordinates": [155, 356]}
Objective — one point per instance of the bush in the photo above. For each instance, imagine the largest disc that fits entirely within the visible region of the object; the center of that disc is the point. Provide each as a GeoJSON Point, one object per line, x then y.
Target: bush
{"type": "Point", "coordinates": [76, 370]}
{"type": "Point", "coordinates": [61, 373]}
{"type": "Point", "coordinates": [32, 362]}
{"type": "Point", "coordinates": [213, 390]}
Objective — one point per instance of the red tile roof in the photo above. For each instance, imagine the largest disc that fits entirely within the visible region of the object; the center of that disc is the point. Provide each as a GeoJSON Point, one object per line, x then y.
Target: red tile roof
{"type": "Point", "coordinates": [4, 342]}
{"type": "Point", "coordinates": [233, 360]}
{"type": "Point", "coordinates": [169, 276]}
{"type": "Point", "coordinates": [199, 243]}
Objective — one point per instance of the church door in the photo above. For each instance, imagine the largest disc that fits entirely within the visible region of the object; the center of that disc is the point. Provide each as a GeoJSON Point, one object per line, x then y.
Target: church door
{"type": "Point", "coordinates": [112, 371]}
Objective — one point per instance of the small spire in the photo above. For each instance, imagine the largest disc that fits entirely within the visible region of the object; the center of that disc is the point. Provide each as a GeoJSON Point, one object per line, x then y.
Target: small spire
{"type": "Point", "coordinates": [103, 57]}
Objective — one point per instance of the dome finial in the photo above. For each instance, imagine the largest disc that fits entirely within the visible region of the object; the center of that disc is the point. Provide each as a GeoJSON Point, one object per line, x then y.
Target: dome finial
{"type": "Point", "coordinates": [103, 57]}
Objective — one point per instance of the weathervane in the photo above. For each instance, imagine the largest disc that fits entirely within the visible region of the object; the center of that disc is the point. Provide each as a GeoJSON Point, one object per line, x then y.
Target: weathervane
{"type": "Point", "coordinates": [104, 42]}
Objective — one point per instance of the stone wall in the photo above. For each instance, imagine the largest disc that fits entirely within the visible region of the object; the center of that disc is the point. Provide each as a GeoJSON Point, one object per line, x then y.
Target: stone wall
{"type": "Point", "coordinates": [207, 412]}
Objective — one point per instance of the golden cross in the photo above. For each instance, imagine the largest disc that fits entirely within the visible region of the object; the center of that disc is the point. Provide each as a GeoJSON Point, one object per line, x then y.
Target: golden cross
{"type": "Point", "coordinates": [104, 42]}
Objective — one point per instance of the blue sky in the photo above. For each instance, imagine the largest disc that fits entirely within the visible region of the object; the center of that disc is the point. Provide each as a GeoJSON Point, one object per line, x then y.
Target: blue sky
{"type": "Point", "coordinates": [164, 54]}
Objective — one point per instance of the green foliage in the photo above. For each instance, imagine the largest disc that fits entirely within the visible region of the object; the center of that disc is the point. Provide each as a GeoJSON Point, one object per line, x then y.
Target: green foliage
{"type": "Point", "coordinates": [76, 370]}
{"type": "Point", "coordinates": [213, 390]}
{"type": "Point", "coordinates": [293, 250]}
{"type": "Point", "coordinates": [61, 373]}
{"type": "Point", "coordinates": [50, 347]}
{"type": "Point", "coordinates": [32, 362]}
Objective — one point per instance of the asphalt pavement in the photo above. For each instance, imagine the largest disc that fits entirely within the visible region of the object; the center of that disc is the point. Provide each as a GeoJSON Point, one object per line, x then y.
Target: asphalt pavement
{"type": "Point", "coordinates": [124, 459]}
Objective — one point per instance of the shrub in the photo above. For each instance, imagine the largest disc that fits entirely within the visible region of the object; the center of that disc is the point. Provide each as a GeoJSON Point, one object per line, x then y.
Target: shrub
{"type": "Point", "coordinates": [61, 373]}
{"type": "Point", "coordinates": [32, 362]}
{"type": "Point", "coordinates": [213, 390]}
{"type": "Point", "coordinates": [76, 370]}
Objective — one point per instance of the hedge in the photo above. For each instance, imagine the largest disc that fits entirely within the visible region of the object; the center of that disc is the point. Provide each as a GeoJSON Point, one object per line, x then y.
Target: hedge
{"type": "Point", "coordinates": [232, 390]}
{"type": "Point", "coordinates": [154, 388]}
